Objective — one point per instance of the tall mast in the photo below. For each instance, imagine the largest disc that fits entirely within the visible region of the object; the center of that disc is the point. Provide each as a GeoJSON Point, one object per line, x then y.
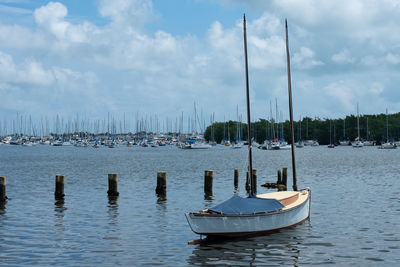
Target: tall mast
{"type": "Point", "coordinates": [252, 189]}
{"type": "Point", "coordinates": [290, 108]}
{"type": "Point", "coordinates": [358, 123]}
{"type": "Point", "coordinates": [344, 128]}
{"type": "Point", "coordinates": [387, 127]}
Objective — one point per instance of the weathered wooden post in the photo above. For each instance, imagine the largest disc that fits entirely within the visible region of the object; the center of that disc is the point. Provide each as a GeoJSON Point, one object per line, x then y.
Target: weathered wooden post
{"type": "Point", "coordinates": [279, 181]}
{"type": "Point", "coordinates": [113, 185]}
{"type": "Point", "coordinates": [161, 188]}
{"type": "Point", "coordinates": [59, 192]}
{"type": "Point", "coordinates": [208, 182]}
{"type": "Point", "coordinates": [236, 178]}
{"type": "Point", "coordinates": [247, 182]}
{"type": "Point", "coordinates": [3, 196]}
{"type": "Point", "coordinates": [254, 183]}
{"type": "Point", "coordinates": [284, 177]}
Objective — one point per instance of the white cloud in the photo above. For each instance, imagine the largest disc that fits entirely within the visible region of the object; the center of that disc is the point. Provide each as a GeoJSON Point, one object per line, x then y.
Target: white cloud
{"type": "Point", "coordinates": [127, 13]}
{"type": "Point", "coordinates": [305, 59]}
{"type": "Point", "coordinates": [343, 57]}
{"type": "Point", "coordinates": [393, 58]}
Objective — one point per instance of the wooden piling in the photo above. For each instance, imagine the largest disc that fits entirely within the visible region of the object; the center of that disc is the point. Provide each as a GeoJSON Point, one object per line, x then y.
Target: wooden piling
{"type": "Point", "coordinates": [113, 185]}
{"type": "Point", "coordinates": [161, 188]}
{"type": "Point", "coordinates": [254, 184]}
{"type": "Point", "coordinates": [59, 192]}
{"type": "Point", "coordinates": [3, 196]}
{"type": "Point", "coordinates": [284, 177]}
{"type": "Point", "coordinates": [236, 178]}
{"type": "Point", "coordinates": [279, 181]}
{"type": "Point", "coordinates": [208, 182]}
{"type": "Point", "coordinates": [247, 182]}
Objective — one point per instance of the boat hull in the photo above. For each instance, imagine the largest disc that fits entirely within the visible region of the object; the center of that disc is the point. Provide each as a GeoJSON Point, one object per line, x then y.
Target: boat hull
{"type": "Point", "coordinates": [248, 225]}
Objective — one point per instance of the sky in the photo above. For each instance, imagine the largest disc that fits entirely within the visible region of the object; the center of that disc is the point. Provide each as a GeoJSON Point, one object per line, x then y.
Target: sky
{"type": "Point", "coordinates": [158, 58]}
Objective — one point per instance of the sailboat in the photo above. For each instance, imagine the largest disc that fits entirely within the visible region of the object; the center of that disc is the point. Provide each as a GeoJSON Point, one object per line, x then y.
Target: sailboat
{"type": "Point", "coordinates": [358, 143]}
{"type": "Point", "coordinates": [344, 142]}
{"type": "Point", "coordinates": [300, 143]}
{"type": "Point", "coordinates": [388, 144]}
{"type": "Point", "coordinates": [255, 214]}
{"type": "Point", "coordinates": [330, 135]}
{"type": "Point", "coordinates": [368, 142]}
{"type": "Point", "coordinates": [238, 141]}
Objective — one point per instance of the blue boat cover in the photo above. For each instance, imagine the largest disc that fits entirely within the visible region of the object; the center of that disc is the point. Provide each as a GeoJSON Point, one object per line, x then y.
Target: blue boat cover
{"type": "Point", "coordinates": [237, 205]}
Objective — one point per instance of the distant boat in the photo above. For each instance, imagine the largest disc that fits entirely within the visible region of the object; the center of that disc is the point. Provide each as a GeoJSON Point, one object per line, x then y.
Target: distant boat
{"type": "Point", "coordinates": [237, 144]}
{"type": "Point", "coordinates": [299, 144]}
{"type": "Point", "coordinates": [358, 143]}
{"type": "Point", "coordinates": [368, 142]}
{"type": "Point", "coordinates": [331, 145]}
{"type": "Point", "coordinates": [388, 144]}
{"type": "Point", "coordinates": [255, 214]}
{"type": "Point", "coordinates": [200, 145]}
{"type": "Point", "coordinates": [311, 143]}
{"type": "Point", "coordinates": [345, 143]}
{"type": "Point", "coordinates": [57, 143]}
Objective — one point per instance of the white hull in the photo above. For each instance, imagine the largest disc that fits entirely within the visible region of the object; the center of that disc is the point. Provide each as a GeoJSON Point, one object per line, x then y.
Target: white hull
{"type": "Point", "coordinates": [344, 143]}
{"type": "Point", "coordinates": [369, 143]}
{"type": "Point", "coordinates": [237, 145]}
{"type": "Point", "coordinates": [200, 146]}
{"type": "Point", "coordinates": [357, 144]}
{"type": "Point", "coordinates": [243, 225]}
{"type": "Point", "coordinates": [387, 146]}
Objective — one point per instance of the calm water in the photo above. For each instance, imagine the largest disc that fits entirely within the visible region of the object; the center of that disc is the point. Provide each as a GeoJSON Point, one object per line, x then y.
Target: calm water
{"type": "Point", "coordinates": [355, 211]}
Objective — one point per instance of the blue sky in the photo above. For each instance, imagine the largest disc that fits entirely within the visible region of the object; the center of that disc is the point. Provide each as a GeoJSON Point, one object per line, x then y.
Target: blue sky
{"type": "Point", "coordinates": [157, 58]}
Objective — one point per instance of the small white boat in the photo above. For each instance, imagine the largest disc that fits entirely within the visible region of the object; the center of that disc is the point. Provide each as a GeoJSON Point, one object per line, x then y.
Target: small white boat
{"type": "Point", "coordinates": [57, 143]}
{"type": "Point", "coordinates": [237, 217]}
{"type": "Point", "coordinates": [344, 143]}
{"type": "Point", "coordinates": [184, 145]}
{"type": "Point", "coordinates": [369, 143]}
{"type": "Point", "coordinates": [200, 145]}
{"type": "Point", "coordinates": [388, 145]}
{"type": "Point", "coordinates": [237, 145]}
{"type": "Point", "coordinates": [299, 144]}
{"type": "Point", "coordinates": [357, 144]}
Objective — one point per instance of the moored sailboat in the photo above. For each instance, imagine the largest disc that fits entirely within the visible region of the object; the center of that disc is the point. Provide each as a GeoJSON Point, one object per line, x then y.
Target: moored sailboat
{"type": "Point", "coordinates": [357, 142]}
{"type": "Point", "coordinates": [255, 214]}
{"type": "Point", "coordinates": [388, 144]}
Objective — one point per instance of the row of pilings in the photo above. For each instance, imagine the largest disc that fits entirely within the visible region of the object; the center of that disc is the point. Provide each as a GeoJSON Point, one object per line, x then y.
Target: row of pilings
{"type": "Point", "coordinates": [161, 188]}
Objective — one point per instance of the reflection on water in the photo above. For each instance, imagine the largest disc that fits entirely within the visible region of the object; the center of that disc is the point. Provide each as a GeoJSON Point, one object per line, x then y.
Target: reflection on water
{"type": "Point", "coordinates": [161, 197]}
{"type": "Point", "coordinates": [281, 248]}
{"type": "Point", "coordinates": [113, 210]}
{"type": "Point", "coordinates": [2, 207]}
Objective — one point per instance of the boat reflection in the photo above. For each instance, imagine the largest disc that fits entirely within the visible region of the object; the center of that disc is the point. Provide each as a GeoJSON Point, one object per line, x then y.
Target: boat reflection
{"type": "Point", "coordinates": [277, 249]}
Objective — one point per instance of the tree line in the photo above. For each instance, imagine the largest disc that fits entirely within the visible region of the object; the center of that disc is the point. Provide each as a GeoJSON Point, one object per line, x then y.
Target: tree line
{"type": "Point", "coordinates": [325, 131]}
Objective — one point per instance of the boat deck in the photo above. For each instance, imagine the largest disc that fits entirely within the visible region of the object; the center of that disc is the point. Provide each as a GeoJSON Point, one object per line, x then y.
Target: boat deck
{"type": "Point", "coordinates": [289, 199]}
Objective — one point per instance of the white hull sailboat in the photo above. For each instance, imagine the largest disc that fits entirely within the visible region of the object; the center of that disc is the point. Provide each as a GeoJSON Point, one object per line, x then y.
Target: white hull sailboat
{"type": "Point", "coordinates": [358, 143]}
{"type": "Point", "coordinates": [255, 214]}
{"type": "Point", "coordinates": [295, 209]}
{"type": "Point", "coordinates": [200, 145]}
{"type": "Point", "coordinates": [388, 144]}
